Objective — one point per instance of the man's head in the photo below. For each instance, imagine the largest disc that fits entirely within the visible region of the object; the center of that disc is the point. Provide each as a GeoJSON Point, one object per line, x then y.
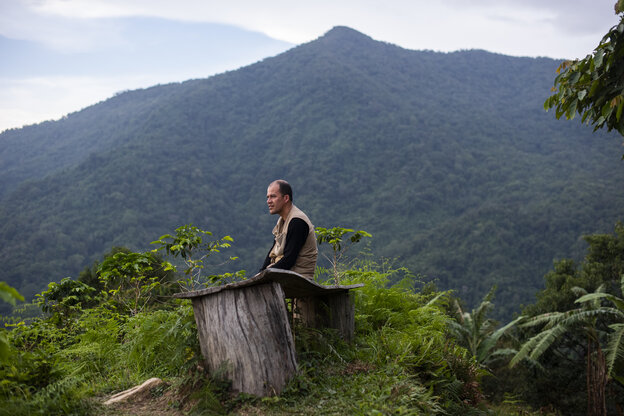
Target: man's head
{"type": "Point", "coordinates": [279, 197]}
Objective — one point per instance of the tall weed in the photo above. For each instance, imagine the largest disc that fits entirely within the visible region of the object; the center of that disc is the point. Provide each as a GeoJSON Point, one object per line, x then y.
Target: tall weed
{"type": "Point", "coordinates": [66, 396]}
{"type": "Point", "coordinates": [97, 351]}
{"type": "Point", "coordinates": [400, 328]}
{"type": "Point", "coordinates": [162, 343]}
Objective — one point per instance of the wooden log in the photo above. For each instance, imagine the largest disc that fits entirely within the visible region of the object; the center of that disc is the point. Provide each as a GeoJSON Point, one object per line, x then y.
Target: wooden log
{"type": "Point", "coordinates": [245, 332]}
{"type": "Point", "coordinates": [135, 393]}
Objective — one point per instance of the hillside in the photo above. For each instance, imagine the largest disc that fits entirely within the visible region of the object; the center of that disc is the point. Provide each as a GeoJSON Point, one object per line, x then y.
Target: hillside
{"type": "Point", "coordinates": [449, 160]}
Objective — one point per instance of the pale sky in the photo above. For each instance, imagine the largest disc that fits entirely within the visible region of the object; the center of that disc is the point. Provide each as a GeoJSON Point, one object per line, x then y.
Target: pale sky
{"type": "Point", "coordinates": [31, 92]}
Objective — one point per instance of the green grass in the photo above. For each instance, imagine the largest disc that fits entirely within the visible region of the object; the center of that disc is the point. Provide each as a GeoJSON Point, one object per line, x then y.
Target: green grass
{"type": "Point", "coordinates": [402, 362]}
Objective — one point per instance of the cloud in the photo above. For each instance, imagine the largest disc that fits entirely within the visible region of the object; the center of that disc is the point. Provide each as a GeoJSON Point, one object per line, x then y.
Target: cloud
{"type": "Point", "coordinates": [28, 101]}
{"type": "Point", "coordinates": [570, 16]}
{"type": "Point", "coordinates": [21, 20]}
{"type": "Point", "coordinates": [553, 28]}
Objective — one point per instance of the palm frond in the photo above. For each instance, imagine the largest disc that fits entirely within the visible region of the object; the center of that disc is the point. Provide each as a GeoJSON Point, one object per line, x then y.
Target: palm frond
{"type": "Point", "coordinates": [618, 378]}
{"type": "Point", "coordinates": [435, 299]}
{"type": "Point", "coordinates": [490, 342]}
{"type": "Point", "coordinates": [578, 291]}
{"type": "Point", "coordinates": [479, 315]}
{"type": "Point", "coordinates": [503, 352]}
{"type": "Point", "coordinates": [547, 319]}
{"type": "Point", "coordinates": [615, 347]}
{"type": "Point", "coordinates": [618, 302]}
{"type": "Point", "coordinates": [534, 364]}
{"type": "Point", "coordinates": [459, 331]}
{"type": "Point", "coordinates": [585, 315]}
{"type": "Point", "coordinates": [546, 339]}
{"type": "Point", "coordinates": [526, 351]}
{"type": "Point", "coordinates": [522, 354]}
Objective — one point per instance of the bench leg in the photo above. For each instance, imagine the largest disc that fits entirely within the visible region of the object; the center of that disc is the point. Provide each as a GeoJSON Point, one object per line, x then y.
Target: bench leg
{"type": "Point", "coordinates": [336, 311]}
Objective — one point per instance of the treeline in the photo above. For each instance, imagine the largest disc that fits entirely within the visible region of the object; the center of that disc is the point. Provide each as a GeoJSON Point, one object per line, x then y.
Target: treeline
{"type": "Point", "coordinates": [417, 350]}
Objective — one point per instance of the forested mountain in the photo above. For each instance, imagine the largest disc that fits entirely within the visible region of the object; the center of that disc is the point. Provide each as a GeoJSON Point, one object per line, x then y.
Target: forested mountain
{"type": "Point", "coordinates": [448, 159]}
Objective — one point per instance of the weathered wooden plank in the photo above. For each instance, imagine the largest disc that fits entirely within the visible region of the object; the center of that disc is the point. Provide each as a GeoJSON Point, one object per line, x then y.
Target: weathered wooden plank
{"type": "Point", "coordinates": [294, 285]}
{"type": "Point", "coordinates": [245, 333]}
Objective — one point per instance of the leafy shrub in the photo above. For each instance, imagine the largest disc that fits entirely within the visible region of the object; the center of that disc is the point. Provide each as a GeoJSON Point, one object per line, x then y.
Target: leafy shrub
{"type": "Point", "coordinates": [66, 299]}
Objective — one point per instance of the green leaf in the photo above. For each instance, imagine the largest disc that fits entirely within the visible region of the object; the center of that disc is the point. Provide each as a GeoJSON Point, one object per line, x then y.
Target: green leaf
{"type": "Point", "coordinates": [581, 94]}
{"type": "Point", "coordinates": [594, 87]}
{"type": "Point", "coordinates": [5, 348]}
{"type": "Point", "coordinates": [9, 294]}
{"type": "Point", "coordinates": [598, 58]}
{"type": "Point", "coordinates": [574, 77]}
{"type": "Point", "coordinates": [571, 111]}
{"type": "Point", "coordinates": [607, 110]}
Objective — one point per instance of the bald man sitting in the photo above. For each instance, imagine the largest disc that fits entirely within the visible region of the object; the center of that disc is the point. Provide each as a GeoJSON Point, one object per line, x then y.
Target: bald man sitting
{"type": "Point", "coordinates": [294, 246]}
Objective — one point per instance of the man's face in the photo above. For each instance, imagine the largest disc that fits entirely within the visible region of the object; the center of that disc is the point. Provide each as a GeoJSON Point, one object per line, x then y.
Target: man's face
{"type": "Point", "coordinates": [275, 200]}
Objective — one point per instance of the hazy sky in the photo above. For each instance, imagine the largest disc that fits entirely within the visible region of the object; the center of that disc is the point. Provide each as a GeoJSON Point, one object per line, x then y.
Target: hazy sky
{"type": "Point", "coordinates": [76, 32]}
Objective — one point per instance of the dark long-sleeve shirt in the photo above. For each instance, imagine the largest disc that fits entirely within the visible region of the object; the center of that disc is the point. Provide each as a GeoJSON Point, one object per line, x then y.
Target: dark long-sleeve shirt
{"type": "Point", "coordinates": [295, 239]}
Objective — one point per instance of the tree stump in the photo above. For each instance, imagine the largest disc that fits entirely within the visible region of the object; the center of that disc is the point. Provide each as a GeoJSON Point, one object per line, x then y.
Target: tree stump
{"type": "Point", "coordinates": [245, 333]}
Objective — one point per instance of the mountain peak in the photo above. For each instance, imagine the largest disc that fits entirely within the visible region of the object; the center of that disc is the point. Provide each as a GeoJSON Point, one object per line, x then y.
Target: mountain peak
{"type": "Point", "coordinates": [344, 34]}
{"type": "Point", "coordinates": [344, 31]}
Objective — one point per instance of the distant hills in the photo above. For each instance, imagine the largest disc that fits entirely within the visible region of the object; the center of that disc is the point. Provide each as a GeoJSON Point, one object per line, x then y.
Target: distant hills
{"type": "Point", "coordinates": [448, 159]}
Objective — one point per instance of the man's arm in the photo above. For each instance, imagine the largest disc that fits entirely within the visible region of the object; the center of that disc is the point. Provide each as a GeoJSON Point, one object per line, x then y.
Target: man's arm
{"type": "Point", "coordinates": [267, 260]}
{"type": "Point", "coordinates": [295, 239]}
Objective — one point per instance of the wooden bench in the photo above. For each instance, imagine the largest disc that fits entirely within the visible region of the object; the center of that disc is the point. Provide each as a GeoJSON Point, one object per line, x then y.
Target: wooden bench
{"type": "Point", "coordinates": [244, 328]}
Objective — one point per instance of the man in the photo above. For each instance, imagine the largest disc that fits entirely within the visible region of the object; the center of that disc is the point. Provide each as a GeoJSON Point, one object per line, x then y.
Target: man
{"type": "Point", "coordinates": [294, 245]}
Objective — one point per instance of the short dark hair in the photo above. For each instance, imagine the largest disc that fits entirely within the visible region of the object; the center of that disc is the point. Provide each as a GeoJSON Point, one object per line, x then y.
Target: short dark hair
{"type": "Point", "coordinates": [285, 188]}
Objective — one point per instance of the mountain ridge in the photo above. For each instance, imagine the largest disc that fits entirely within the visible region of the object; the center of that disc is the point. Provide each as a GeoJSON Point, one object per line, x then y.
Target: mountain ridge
{"type": "Point", "coordinates": [448, 159]}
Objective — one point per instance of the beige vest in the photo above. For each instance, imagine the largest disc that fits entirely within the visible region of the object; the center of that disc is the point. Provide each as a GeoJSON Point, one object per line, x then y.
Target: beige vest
{"type": "Point", "coordinates": [306, 261]}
